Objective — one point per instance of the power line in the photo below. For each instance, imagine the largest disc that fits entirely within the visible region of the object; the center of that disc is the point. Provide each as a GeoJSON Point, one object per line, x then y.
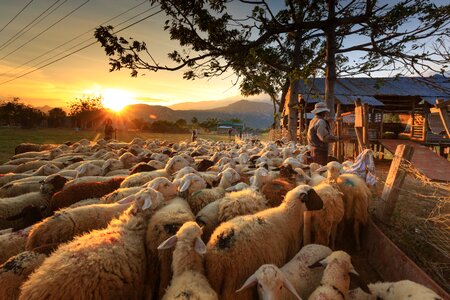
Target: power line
{"type": "Point", "coordinates": [78, 50]}
{"type": "Point", "coordinates": [16, 15]}
{"type": "Point", "coordinates": [30, 25]}
{"type": "Point", "coordinates": [45, 30]}
{"type": "Point", "coordinates": [78, 36]}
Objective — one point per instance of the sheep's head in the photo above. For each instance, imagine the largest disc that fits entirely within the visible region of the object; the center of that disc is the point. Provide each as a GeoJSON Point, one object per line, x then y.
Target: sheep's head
{"type": "Point", "coordinates": [191, 183]}
{"type": "Point", "coordinates": [341, 261]}
{"type": "Point", "coordinates": [128, 159]}
{"type": "Point", "coordinates": [88, 169]}
{"type": "Point", "coordinates": [271, 281]}
{"type": "Point", "coordinates": [147, 199]}
{"type": "Point", "coordinates": [228, 177]}
{"type": "Point", "coordinates": [52, 184]}
{"type": "Point", "coordinates": [188, 232]}
{"type": "Point", "coordinates": [47, 169]}
{"type": "Point", "coordinates": [164, 186]}
{"type": "Point", "coordinates": [184, 171]}
{"type": "Point", "coordinates": [158, 165]}
{"type": "Point", "coordinates": [110, 165]}
{"type": "Point", "coordinates": [305, 194]}
{"type": "Point", "coordinates": [176, 163]}
{"type": "Point", "coordinates": [54, 153]}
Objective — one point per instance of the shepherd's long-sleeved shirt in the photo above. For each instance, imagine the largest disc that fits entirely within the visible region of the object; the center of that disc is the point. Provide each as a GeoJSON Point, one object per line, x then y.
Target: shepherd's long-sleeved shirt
{"type": "Point", "coordinates": [319, 133]}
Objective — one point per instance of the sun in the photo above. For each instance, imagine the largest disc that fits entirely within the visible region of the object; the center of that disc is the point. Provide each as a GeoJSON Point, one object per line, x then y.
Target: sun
{"type": "Point", "coordinates": [116, 99]}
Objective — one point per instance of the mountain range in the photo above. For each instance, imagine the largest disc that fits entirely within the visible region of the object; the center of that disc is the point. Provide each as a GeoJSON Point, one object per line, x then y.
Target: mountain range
{"type": "Point", "coordinates": [253, 114]}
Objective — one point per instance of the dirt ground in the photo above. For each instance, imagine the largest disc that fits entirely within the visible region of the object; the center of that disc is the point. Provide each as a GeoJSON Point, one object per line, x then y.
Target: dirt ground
{"type": "Point", "coordinates": [425, 242]}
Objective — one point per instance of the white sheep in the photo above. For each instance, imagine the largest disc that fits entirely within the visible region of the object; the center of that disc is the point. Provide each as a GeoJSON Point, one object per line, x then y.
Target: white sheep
{"type": "Point", "coordinates": [336, 278]}
{"type": "Point", "coordinates": [233, 204]}
{"type": "Point", "coordinates": [12, 243]}
{"type": "Point", "coordinates": [16, 270]}
{"type": "Point", "coordinates": [88, 169]}
{"type": "Point", "coordinates": [187, 265]}
{"type": "Point", "coordinates": [324, 222]}
{"type": "Point", "coordinates": [296, 276]}
{"type": "Point", "coordinates": [102, 264]}
{"type": "Point", "coordinates": [164, 223]}
{"type": "Point", "coordinates": [65, 224]}
{"type": "Point", "coordinates": [238, 247]}
{"type": "Point", "coordinates": [174, 164]}
{"type": "Point", "coordinates": [44, 170]}
{"type": "Point", "coordinates": [404, 289]}
{"type": "Point", "coordinates": [119, 194]}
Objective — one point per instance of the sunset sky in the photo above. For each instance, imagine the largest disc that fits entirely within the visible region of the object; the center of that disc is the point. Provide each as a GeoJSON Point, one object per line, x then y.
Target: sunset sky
{"type": "Point", "coordinates": [38, 33]}
{"type": "Point", "coordinates": [86, 72]}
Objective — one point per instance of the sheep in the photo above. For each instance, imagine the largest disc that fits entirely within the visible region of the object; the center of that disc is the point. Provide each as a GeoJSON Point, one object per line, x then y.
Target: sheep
{"type": "Point", "coordinates": [102, 264]}
{"type": "Point", "coordinates": [356, 201]}
{"type": "Point", "coordinates": [12, 243]}
{"type": "Point", "coordinates": [275, 190]}
{"type": "Point", "coordinates": [27, 147]}
{"type": "Point", "coordinates": [173, 165]}
{"type": "Point", "coordinates": [324, 222]}
{"type": "Point", "coordinates": [164, 223]}
{"type": "Point", "coordinates": [163, 185]}
{"type": "Point", "coordinates": [14, 188]}
{"type": "Point", "coordinates": [34, 165]}
{"type": "Point", "coordinates": [87, 179]}
{"type": "Point", "coordinates": [77, 192]}
{"type": "Point", "coordinates": [16, 270]}
{"type": "Point", "coordinates": [404, 289]}
{"type": "Point", "coordinates": [233, 204]}
{"type": "Point", "coordinates": [67, 223]}
{"type": "Point", "coordinates": [187, 265]}
{"type": "Point", "coordinates": [44, 170]}
{"type": "Point", "coordinates": [274, 236]}
{"type": "Point", "coordinates": [7, 168]}
{"type": "Point", "coordinates": [336, 278]}
{"type": "Point", "coordinates": [141, 167]}
{"type": "Point", "coordinates": [88, 169]}
{"type": "Point", "coordinates": [119, 194]}
{"type": "Point", "coordinates": [29, 215]}
{"type": "Point", "coordinates": [295, 276]}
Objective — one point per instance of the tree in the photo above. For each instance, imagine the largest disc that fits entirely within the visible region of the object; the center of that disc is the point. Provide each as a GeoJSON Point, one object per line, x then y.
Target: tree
{"type": "Point", "coordinates": [209, 124]}
{"type": "Point", "coordinates": [194, 121]}
{"type": "Point", "coordinates": [86, 110]}
{"type": "Point", "coordinates": [312, 35]}
{"type": "Point", "coordinates": [56, 117]}
{"type": "Point", "coordinates": [16, 113]}
{"type": "Point", "coordinates": [181, 123]}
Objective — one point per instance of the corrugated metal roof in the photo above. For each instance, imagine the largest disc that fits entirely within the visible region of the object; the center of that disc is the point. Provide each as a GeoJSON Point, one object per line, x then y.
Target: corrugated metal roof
{"type": "Point", "coordinates": [367, 89]}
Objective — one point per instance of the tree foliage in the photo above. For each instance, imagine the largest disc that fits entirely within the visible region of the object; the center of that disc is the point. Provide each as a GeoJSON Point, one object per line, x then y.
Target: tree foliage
{"type": "Point", "coordinates": [56, 117]}
{"type": "Point", "coordinates": [14, 113]}
{"type": "Point", "coordinates": [85, 110]}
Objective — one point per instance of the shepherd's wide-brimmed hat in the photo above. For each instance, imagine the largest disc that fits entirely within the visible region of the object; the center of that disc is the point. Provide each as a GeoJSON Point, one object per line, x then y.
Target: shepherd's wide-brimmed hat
{"type": "Point", "coordinates": [320, 107]}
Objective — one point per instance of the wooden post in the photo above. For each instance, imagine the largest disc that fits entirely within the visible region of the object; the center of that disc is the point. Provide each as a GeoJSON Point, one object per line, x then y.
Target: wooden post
{"type": "Point", "coordinates": [394, 181]}
{"type": "Point", "coordinates": [365, 128]}
{"type": "Point", "coordinates": [359, 124]}
{"type": "Point", "coordinates": [442, 106]}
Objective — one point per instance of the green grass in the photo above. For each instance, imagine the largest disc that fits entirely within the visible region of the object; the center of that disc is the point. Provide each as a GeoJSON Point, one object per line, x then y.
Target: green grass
{"type": "Point", "coordinates": [11, 137]}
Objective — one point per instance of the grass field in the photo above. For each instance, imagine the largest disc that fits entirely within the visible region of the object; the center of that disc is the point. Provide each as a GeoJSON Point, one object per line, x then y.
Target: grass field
{"type": "Point", "coordinates": [11, 137]}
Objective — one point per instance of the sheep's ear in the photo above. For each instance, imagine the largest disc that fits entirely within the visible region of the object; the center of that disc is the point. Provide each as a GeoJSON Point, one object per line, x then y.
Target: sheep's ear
{"type": "Point", "coordinates": [185, 185]}
{"type": "Point", "coordinates": [251, 281]}
{"type": "Point", "coordinates": [312, 200]}
{"type": "Point", "coordinates": [288, 285]}
{"type": "Point", "coordinates": [147, 203]}
{"type": "Point", "coordinates": [169, 243]}
{"type": "Point", "coordinates": [200, 246]}
{"type": "Point", "coordinates": [356, 281]}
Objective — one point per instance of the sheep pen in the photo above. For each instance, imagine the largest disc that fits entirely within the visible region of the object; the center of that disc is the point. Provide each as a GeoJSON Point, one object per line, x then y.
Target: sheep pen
{"type": "Point", "coordinates": [420, 224]}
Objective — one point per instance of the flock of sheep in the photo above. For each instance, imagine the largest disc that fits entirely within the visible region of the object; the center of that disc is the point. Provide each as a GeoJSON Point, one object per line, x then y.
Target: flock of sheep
{"type": "Point", "coordinates": [198, 220]}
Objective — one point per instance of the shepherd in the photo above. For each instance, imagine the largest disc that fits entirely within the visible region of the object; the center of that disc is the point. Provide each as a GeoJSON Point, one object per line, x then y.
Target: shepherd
{"type": "Point", "coordinates": [319, 134]}
{"type": "Point", "coordinates": [109, 129]}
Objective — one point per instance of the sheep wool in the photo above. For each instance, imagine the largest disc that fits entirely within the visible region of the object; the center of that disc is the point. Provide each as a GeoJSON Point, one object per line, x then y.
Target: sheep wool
{"type": "Point", "coordinates": [77, 192]}
{"type": "Point", "coordinates": [103, 264]}
{"type": "Point", "coordinates": [187, 265]}
{"type": "Point", "coordinates": [164, 223]}
{"type": "Point", "coordinates": [245, 202]}
{"type": "Point", "coordinates": [404, 289]}
{"type": "Point", "coordinates": [12, 244]}
{"type": "Point", "coordinates": [238, 247]}
{"type": "Point", "coordinates": [16, 270]}
{"type": "Point", "coordinates": [65, 224]}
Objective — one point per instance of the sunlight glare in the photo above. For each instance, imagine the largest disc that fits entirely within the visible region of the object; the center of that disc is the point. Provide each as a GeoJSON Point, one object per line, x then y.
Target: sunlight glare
{"type": "Point", "coordinates": [116, 99]}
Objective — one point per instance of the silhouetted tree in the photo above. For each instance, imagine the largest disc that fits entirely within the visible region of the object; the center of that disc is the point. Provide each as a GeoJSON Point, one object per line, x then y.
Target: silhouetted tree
{"type": "Point", "coordinates": [56, 117]}
{"type": "Point", "coordinates": [14, 112]}
{"type": "Point", "coordinates": [86, 110]}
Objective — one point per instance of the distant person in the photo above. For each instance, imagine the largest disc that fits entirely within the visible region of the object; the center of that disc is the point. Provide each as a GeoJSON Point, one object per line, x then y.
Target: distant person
{"type": "Point", "coordinates": [109, 129]}
{"type": "Point", "coordinates": [240, 133]}
{"type": "Point", "coordinates": [319, 134]}
{"type": "Point", "coordinates": [230, 131]}
{"type": "Point", "coordinates": [194, 134]}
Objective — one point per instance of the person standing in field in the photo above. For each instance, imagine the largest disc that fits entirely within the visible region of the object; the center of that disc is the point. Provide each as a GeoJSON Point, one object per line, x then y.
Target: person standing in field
{"type": "Point", "coordinates": [319, 134]}
{"type": "Point", "coordinates": [194, 135]}
{"type": "Point", "coordinates": [109, 129]}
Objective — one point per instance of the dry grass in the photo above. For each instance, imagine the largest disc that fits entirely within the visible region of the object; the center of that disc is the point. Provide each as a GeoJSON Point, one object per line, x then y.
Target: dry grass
{"type": "Point", "coordinates": [420, 225]}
